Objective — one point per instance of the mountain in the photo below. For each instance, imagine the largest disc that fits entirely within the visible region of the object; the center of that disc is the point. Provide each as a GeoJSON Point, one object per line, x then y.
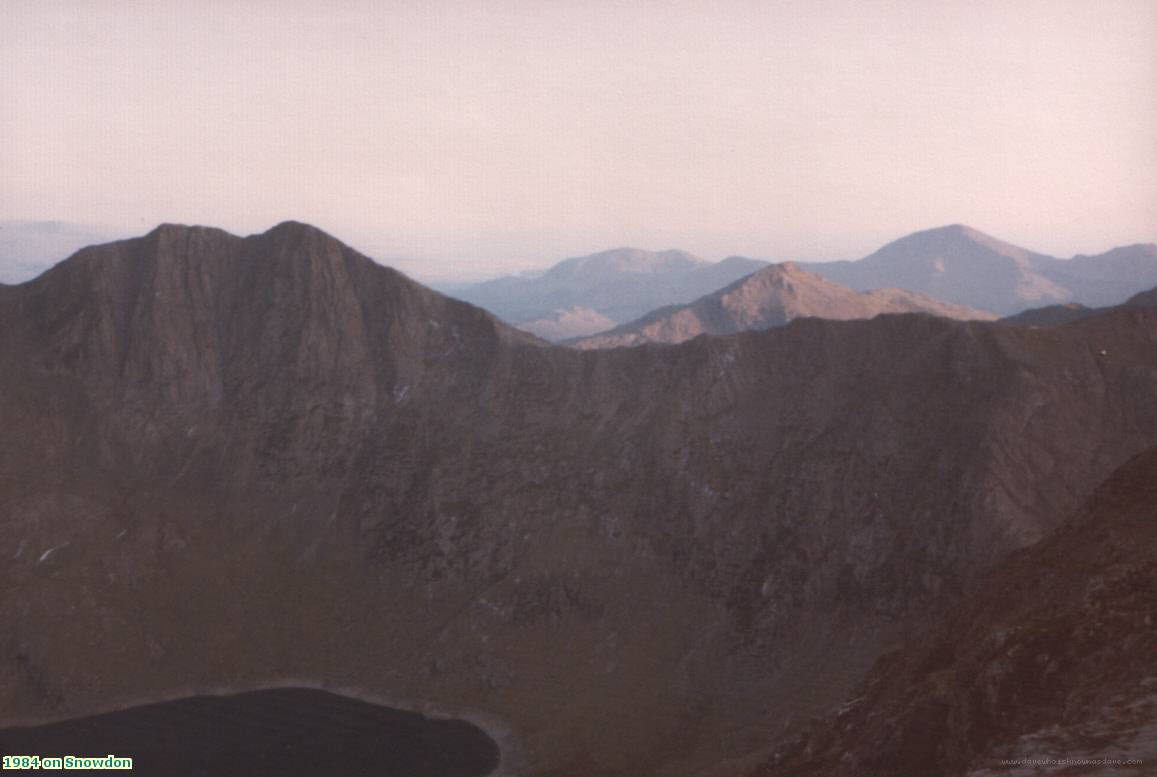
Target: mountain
{"type": "Point", "coordinates": [230, 464]}
{"type": "Point", "coordinates": [1143, 299]}
{"type": "Point", "coordinates": [955, 264]}
{"type": "Point", "coordinates": [1055, 315]}
{"type": "Point", "coordinates": [28, 248]}
{"type": "Point", "coordinates": [965, 266]}
{"type": "Point", "coordinates": [619, 285]}
{"type": "Point", "coordinates": [1108, 278]}
{"type": "Point", "coordinates": [768, 298]}
{"type": "Point", "coordinates": [1051, 315]}
{"type": "Point", "coordinates": [1055, 657]}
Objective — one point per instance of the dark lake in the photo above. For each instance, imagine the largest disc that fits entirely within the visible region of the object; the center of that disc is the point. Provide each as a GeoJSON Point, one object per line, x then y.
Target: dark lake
{"type": "Point", "coordinates": [285, 732]}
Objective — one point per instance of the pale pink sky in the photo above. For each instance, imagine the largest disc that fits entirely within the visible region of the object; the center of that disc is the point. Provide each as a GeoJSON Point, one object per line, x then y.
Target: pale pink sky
{"type": "Point", "coordinates": [472, 138]}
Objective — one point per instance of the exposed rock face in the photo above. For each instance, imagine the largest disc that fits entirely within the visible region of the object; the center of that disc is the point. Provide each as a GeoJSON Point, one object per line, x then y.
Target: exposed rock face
{"type": "Point", "coordinates": [965, 266]}
{"type": "Point", "coordinates": [768, 298]}
{"type": "Point", "coordinates": [230, 463]}
{"type": "Point", "coordinates": [620, 285]}
{"type": "Point", "coordinates": [1054, 658]}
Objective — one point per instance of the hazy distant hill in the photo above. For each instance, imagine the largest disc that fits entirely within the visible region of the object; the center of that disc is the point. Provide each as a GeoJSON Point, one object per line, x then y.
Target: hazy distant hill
{"type": "Point", "coordinates": [1110, 277]}
{"type": "Point", "coordinates": [620, 285]}
{"type": "Point", "coordinates": [965, 266]}
{"type": "Point", "coordinates": [567, 323]}
{"type": "Point", "coordinates": [1055, 315]}
{"type": "Point", "coordinates": [1051, 315]}
{"type": "Point", "coordinates": [954, 264]}
{"type": "Point", "coordinates": [28, 248]}
{"type": "Point", "coordinates": [768, 298]}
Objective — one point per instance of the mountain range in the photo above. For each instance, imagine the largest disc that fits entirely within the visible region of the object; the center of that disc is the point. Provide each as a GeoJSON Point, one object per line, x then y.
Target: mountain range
{"type": "Point", "coordinates": [770, 297]}
{"type": "Point", "coordinates": [964, 266]}
{"type": "Point", "coordinates": [233, 463]}
{"type": "Point", "coordinates": [1054, 315]}
{"type": "Point", "coordinates": [955, 264]}
{"type": "Point", "coordinates": [607, 288]}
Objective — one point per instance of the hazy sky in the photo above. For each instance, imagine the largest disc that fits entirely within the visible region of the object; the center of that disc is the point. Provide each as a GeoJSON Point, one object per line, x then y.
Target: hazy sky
{"type": "Point", "coordinates": [471, 138]}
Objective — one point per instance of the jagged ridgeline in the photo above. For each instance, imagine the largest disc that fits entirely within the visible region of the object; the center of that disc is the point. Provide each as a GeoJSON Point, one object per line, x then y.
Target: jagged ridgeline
{"type": "Point", "coordinates": [230, 463]}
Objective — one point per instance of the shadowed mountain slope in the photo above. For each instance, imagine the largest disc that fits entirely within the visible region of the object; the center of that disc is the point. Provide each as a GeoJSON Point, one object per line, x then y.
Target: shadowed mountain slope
{"type": "Point", "coordinates": [230, 463]}
{"type": "Point", "coordinates": [1055, 657]}
{"type": "Point", "coordinates": [1055, 315]}
{"type": "Point", "coordinates": [1051, 315]}
{"type": "Point", "coordinates": [768, 298]}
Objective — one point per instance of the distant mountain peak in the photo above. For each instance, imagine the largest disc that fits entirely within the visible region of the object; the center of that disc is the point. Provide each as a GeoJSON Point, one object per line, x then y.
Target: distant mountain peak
{"type": "Point", "coordinates": [959, 264]}
{"type": "Point", "coordinates": [628, 260]}
{"type": "Point", "coordinates": [958, 229]}
{"type": "Point", "coordinates": [293, 228]}
{"type": "Point", "coordinates": [959, 234]}
{"type": "Point", "coordinates": [620, 284]}
{"type": "Point", "coordinates": [770, 297]}
{"type": "Point", "coordinates": [788, 268]}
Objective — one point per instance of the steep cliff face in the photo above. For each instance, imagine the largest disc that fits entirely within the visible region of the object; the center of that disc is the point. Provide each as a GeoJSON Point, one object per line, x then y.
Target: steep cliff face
{"type": "Point", "coordinates": [1053, 660]}
{"type": "Point", "coordinates": [229, 463]}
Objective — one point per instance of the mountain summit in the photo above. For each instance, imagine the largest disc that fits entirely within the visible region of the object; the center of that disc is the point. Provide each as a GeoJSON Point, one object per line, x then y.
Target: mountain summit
{"type": "Point", "coordinates": [625, 260]}
{"type": "Point", "coordinates": [768, 298]}
{"type": "Point", "coordinates": [962, 265]}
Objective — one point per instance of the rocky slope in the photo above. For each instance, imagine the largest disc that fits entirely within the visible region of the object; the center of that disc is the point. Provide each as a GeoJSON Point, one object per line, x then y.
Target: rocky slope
{"type": "Point", "coordinates": [619, 285]}
{"type": "Point", "coordinates": [965, 266]}
{"type": "Point", "coordinates": [771, 297]}
{"type": "Point", "coordinates": [1053, 660]}
{"type": "Point", "coordinates": [232, 463]}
